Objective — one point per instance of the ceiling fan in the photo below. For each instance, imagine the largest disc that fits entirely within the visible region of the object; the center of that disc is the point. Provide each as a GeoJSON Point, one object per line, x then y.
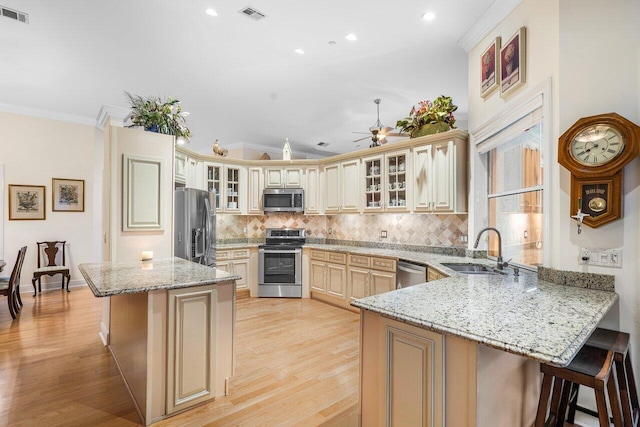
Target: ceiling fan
{"type": "Point", "coordinates": [378, 132]}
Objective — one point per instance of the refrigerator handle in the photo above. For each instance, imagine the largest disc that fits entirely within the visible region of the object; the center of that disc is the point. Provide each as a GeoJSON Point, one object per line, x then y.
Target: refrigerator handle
{"type": "Point", "coordinates": [207, 230]}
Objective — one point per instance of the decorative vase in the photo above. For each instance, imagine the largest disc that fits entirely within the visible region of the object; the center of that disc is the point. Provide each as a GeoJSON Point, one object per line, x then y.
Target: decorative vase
{"type": "Point", "coordinates": [430, 129]}
{"type": "Point", "coordinates": [152, 128]}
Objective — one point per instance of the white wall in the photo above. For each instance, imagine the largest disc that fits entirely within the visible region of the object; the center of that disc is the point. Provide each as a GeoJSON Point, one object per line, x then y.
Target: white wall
{"type": "Point", "coordinates": [35, 150]}
{"type": "Point", "coordinates": [591, 51]}
{"type": "Point", "coordinates": [599, 70]}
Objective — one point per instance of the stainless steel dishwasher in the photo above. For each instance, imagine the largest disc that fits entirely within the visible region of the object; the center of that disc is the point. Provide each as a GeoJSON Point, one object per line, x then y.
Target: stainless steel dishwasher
{"type": "Point", "coordinates": [409, 274]}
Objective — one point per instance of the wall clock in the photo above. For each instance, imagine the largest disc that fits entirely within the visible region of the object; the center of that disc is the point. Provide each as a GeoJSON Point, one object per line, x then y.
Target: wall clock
{"type": "Point", "coordinates": [595, 150]}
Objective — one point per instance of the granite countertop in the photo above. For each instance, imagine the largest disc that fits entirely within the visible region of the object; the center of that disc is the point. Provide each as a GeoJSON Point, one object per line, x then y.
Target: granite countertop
{"type": "Point", "coordinates": [518, 314]}
{"type": "Point", "coordinates": [522, 314]}
{"type": "Point", "coordinates": [108, 279]}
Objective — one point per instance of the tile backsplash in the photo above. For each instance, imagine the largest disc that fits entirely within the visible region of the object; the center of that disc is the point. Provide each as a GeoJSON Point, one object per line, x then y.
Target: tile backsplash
{"type": "Point", "coordinates": [412, 229]}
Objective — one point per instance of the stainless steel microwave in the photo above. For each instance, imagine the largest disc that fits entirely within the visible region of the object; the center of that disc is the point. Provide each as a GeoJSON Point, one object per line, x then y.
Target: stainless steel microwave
{"type": "Point", "coordinates": [283, 200]}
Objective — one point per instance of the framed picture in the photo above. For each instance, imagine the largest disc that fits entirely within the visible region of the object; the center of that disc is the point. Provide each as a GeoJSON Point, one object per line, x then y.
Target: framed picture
{"type": "Point", "coordinates": [27, 202]}
{"type": "Point", "coordinates": [512, 63]}
{"type": "Point", "coordinates": [68, 195]}
{"type": "Point", "coordinates": [490, 68]}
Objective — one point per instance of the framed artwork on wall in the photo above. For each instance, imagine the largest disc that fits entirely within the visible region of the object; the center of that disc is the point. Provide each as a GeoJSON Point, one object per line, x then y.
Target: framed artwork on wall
{"type": "Point", "coordinates": [27, 202]}
{"type": "Point", "coordinates": [489, 64]}
{"type": "Point", "coordinates": [512, 63]}
{"type": "Point", "coordinates": [68, 195]}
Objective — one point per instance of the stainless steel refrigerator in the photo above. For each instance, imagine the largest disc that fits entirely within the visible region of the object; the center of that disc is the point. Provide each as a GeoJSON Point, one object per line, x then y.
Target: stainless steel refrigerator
{"type": "Point", "coordinates": [195, 226]}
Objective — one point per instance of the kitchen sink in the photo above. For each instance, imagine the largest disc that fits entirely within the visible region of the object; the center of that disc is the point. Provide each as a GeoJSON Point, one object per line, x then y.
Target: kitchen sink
{"type": "Point", "coordinates": [471, 268]}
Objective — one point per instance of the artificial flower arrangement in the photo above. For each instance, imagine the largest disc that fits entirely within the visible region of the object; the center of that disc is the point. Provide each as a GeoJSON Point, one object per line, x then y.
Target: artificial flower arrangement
{"type": "Point", "coordinates": [160, 116]}
{"type": "Point", "coordinates": [429, 117]}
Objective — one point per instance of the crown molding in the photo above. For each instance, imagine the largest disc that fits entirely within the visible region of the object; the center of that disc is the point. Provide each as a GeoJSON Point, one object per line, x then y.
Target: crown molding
{"type": "Point", "coordinates": [487, 22]}
{"type": "Point", "coordinates": [46, 114]}
{"type": "Point", "coordinates": [111, 115]}
{"type": "Point", "coordinates": [317, 154]}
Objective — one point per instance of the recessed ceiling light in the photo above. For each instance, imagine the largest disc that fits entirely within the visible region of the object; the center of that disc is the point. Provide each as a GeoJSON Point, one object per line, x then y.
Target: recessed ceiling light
{"type": "Point", "coordinates": [428, 16]}
{"type": "Point", "coordinates": [351, 37]}
{"type": "Point", "coordinates": [299, 51]}
{"type": "Point", "coordinates": [211, 12]}
{"type": "Point", "coordinates": [332, 42]}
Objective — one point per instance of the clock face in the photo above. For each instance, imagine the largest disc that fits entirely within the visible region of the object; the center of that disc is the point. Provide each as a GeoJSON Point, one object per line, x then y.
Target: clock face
{"type": "Point", "coordinates": [597, 145]}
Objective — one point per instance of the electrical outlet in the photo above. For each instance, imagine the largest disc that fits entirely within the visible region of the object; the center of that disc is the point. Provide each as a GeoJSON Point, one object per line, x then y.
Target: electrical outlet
{"type": "Point", "coordinates": [329, 230]}
{"type": "Point", "coordinates": [244, 230]}
{"type": "Point", "coordinates": [585, 255]}
{"type": "Point", "coordinates": [464, 238]}
{"type": "Point", "coordinates": [383, 234]}
{"type": "Point", "coordinates": [601, 257]}
{"type": "Point", "coordinates": [526, 234]}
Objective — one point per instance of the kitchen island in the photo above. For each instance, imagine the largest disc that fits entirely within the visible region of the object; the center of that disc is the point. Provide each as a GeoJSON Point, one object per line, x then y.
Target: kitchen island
{"type": "Point", "coordinates": [171, 330]}
{"type": "Point", "coordinates": [465, 350]}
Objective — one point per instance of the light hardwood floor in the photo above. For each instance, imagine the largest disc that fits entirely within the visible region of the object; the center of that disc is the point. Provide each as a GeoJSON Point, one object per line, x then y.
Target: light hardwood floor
{"type": "Point", "coordinates": [296, 365]}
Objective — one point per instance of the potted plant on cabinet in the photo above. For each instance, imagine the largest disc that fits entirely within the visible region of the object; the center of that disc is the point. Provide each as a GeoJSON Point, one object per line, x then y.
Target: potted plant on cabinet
{"type": "Point", "coordinates": [160, 116]}
{"type": "Point", "coordinates": [429, 117]}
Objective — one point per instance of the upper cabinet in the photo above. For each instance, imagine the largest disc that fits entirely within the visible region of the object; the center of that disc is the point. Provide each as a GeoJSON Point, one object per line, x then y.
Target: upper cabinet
{"type": "Point", "coordinates": [386, 184]}
{"type": "Point", "coordinates": [426, 174]}
{"type": "Point", "coordinates": [279, 177]}
{"type": "Point", "coordinates": [230, 185]}
{"type": "Point", "coordinates": [440, 171]}
{"type": "Point", "coordinates": [312, 191]}
{"type": "Point", "coordinates": [341, 195]}
{"type": "Point", "coordinates": [185, 170]}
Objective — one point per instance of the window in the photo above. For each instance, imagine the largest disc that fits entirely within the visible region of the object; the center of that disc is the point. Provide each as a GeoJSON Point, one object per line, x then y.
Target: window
{"type": "Point", "coordinates": [515, 186]}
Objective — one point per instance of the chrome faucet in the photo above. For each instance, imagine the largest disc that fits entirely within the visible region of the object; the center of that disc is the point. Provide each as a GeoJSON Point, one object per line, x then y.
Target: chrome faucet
{"type": "Point", "coordinates": [501, 264]}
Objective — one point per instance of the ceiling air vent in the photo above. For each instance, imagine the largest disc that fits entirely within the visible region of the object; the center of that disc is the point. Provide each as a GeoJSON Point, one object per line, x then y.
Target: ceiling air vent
{"type": "Point", "coordinates": [252, 13]}
{"type": "Point", "coordinates": [322, 144]}
{"type": "Point", "coordinates": [14, 14]}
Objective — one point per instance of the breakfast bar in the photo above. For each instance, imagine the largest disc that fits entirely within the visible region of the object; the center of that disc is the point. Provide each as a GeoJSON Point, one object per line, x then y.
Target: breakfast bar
{"type": "Point", "coordinates": [467, 349]}
{"type": "Point", "coordinates": [171, 330]}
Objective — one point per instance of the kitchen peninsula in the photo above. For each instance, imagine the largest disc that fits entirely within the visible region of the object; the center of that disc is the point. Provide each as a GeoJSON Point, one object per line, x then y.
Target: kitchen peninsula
{"type": "Point", "coordinates": [466, 349]}
{"type": "Point", "coordinates": [171, 330]}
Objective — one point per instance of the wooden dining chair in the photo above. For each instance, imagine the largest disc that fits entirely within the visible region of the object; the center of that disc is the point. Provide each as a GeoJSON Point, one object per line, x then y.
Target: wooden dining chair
{"type": "Point", "coordinates": [11, 287]}
{"type": "Point", "coordinates": [48, 251]}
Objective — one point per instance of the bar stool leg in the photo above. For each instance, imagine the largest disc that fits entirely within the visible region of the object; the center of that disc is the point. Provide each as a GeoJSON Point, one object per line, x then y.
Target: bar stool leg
{"type": "Point", "coordinates": [544, 399]}
{"type": "Point", "coordinates": [562, 409]}
{"type": "Point", "coordinates": [573, 404]}
{"type": "Point", "coordinates": [601, 404]}
{"type": "Point", "coordinates": [614, 400]}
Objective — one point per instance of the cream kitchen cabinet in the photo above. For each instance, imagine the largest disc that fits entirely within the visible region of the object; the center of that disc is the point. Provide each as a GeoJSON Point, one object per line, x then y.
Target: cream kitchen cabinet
{"type": "Point", "coordinates": [229, 181]}
{"type": "Point", "coordinates": [254, 193]}
{"type": "Point", "coordinates": [387, 182]}
{"type": "Point", "coordinates": [287, 177]}
{"type": "Point", "coordinates": [341, 195]}
{"type": "Point", "coordinates": [433, 274]}
{"type": "Point", "coordinates": [328, 276]}
{"type": "Point", "coordinates": [185, 170]}
{"type": "Point", "coordinates": [312, 191]}
{"type": "Point", "coordinates": [367, 275]}
{"type": "Point", "coordinates": [440, 171]}
{"type": "Point", "coordinates": [403, 375]}
{"type": "Point", "coordinates": [236, 261]}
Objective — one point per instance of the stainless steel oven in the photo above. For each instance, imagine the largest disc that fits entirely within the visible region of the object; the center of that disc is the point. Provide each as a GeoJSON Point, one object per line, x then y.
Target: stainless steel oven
{"type": "Point", "coordinates": [280, 263]}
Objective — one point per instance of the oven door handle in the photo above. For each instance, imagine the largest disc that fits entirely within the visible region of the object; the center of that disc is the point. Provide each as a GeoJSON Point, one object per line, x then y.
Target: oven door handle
{"type": "Point", "coordinates": [283, 251]}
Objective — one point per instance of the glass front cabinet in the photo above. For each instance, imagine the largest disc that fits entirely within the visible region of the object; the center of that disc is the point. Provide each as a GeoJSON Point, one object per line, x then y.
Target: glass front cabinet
{"type": "Point", "coordinates": [213, 180]}
{"type": "Point", "coordinates": [226, 181]}
{"type": "Point", "coordinates": [386, 182]}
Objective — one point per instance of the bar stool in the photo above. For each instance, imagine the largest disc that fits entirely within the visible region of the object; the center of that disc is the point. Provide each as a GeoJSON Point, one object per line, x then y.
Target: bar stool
{"type": "Point", "coordinates": [618, 342]}
{"type": "Point", "coordinates": [592, 367]}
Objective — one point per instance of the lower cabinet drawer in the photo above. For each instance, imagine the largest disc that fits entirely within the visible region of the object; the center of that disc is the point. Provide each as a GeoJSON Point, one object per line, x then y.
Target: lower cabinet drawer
{"type": "Point", "coordinates": [241, 253]}
{"type": "Point", "coordinates": [222, 254]}
{"type": "Point", "coordinates": [359, 260]}
{"type": "Point", "coordinates": [384, 264]}
{"type": "Point", "coordinates": [337, 257]}
{"type": "Point", "coordinates": [318, 255]}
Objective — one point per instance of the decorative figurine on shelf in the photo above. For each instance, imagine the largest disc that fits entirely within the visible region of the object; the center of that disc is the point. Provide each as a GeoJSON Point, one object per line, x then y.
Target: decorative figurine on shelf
{"type": "Point", "coordinates": [286, 150]}
{"type": "Point", "coordinates": [219, 151]}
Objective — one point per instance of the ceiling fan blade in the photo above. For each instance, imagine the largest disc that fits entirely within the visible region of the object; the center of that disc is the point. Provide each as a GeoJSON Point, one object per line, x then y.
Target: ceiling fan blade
{"type": "Point", "coordinates": [363, 133]}
{"type": "Point", "coordinates": [386, 130]}
{"type": "Point", "coordinates": [396, 134]}
{"type": "Point", "coordinates": [361, 139]}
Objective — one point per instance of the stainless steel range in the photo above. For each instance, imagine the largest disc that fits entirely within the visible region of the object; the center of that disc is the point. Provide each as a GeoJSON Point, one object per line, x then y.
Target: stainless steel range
{"type": "Point", "coordinates": [280, 263]}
